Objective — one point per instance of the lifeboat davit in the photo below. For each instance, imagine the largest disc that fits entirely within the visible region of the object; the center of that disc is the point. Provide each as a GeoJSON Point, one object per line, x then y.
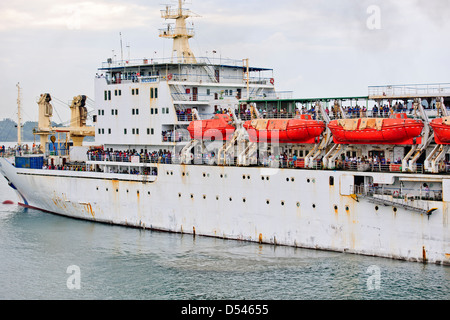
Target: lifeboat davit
{"type": "Point", "coordinates": [219, 128]}
{"type": "Point", "coordinates": [393, 131]}
{"type": "Point", "coordinates": [441, 128]}
{"type": "Point", "coordinates": [304, 130]}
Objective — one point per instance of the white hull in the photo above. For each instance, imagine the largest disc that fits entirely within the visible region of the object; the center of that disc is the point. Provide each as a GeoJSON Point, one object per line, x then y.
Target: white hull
{"type": "Point", "coordinates": [305, 211]}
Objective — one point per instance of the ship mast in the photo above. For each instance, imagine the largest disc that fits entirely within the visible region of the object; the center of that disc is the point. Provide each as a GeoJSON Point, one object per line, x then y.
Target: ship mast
{"type": "Point", "coordinates": [180, 34]}
{"type": "Point", "coordinates": [19, 117]}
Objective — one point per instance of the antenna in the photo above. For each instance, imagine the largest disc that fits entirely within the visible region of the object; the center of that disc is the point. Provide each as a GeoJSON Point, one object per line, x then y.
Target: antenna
{"type": "Point", "coordinates": [121, 47]}
{"type": "Point", "coordinates": [19, 117]}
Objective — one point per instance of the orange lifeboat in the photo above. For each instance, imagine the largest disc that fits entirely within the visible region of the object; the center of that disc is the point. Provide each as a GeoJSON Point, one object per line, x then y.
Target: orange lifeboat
{"type": "Point", "coordinates": [441, 128]}
{"type": "Point", "coordinates": [218, 128]}
{"type": "Point", "coordinates": [304, 130]}
{"type": "Point", "coordinates": [393, 131]}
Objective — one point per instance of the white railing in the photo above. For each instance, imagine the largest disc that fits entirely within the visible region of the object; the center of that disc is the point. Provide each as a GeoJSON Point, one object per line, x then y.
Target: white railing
{"type": "Point", "coordinates": [438, 89]}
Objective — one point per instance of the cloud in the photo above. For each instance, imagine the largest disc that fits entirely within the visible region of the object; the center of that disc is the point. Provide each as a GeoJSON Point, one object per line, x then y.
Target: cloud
{"type": "Point", "coordinates": [86, 15]}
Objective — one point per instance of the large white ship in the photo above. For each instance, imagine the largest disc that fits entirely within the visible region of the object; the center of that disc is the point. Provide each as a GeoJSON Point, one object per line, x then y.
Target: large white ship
{"type": "Point", "coordinates": [209, 147]}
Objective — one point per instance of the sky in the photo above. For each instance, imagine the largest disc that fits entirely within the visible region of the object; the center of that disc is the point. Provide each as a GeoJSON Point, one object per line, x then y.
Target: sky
{"type": "Point", "coordinates": [317, 48]}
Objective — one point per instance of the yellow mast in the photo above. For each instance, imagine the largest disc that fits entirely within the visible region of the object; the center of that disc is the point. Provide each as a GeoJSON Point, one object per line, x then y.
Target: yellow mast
{"type": "Point", "coordinates": [180, 34]}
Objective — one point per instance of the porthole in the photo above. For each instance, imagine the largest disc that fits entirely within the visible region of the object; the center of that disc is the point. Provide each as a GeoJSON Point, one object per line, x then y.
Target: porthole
{"type": "Point", "coordinates": [376, 208]}
{"type": "Point", "coordinates": [179, 195]}
{"type": "Point", "coordinates": [97, 188]}
{"type": "Point", "coordinates": [335, 207]}
{"type": "Point", "coordinates": [137, 192]}
{"type": "Point", "coordinates": [204, 175]}
{"type": "Point", "coordinates": [282, 203]}
{"type": "Point", "coordinates": [192, 196]}
{"type": "Point", "coordinates": [307, 180]}
{"type": "Point", "coordinates": [231, 199]}
{"type": "Point", "coordinates": [267, 201]}
{"type": "Point", "coordinates": [298, 204]}
{"type": "Point", "coordinates": [331, 181]}
{"type": "Point", "coordinates": [243, 177]}
{"type": "Point", "coordinates": [148, 192]}
{"type": "Point", "coordinates": [204, 196]}
{"type": "Point", "coordinates": [243, 200]}
{"type": "Point", "coordinates": [117, 190]}
{"type": "Point", "coordinates": [347, 208]}
{"type": "Point", "coordinates": [267, 178]}
{"type": "Point", "coordinates": [217, 197]}
{"type": "Point", "coordinates": [292, 179]}
{"type": "Point", "coordinates": [106, 189]}
{"type": "Point", "coordinates": [313, 205]}
{"type": "Point", "coordinates": [248, 177]}
{"type": "Point", "coordinates": [262, 178]}
{"type": "Point", "coordinates": [395, 209]}
{"type": "Point", "coordinates": [287, 179]}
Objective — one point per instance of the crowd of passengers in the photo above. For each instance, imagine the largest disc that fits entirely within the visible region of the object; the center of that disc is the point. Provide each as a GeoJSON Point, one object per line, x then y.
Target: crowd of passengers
{"type": "Point", "coordinates": [161, 156]}
{"type": "Point", "coordinates": [350, 111]}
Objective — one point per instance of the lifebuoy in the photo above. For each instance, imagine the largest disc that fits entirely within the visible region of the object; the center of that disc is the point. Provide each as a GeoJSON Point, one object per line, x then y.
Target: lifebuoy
{"type": "Point", "coordinates": [272, 80]}
{"type": "Point", "coordinates": [169, 76]}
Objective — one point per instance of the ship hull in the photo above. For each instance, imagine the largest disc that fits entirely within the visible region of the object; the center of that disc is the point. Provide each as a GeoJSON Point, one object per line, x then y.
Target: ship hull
{"type": "Point", "coordinates": [291, 207]}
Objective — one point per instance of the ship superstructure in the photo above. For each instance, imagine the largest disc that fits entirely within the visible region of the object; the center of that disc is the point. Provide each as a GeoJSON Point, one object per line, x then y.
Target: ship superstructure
{"type": "Point", "coordinates": [208, 146]}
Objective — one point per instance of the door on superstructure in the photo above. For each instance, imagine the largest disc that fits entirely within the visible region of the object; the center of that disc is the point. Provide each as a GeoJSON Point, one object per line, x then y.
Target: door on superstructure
{"type": "Point", "coordinates": [194, 94]}
{"type": "Point", "coordinates": [217, 73]}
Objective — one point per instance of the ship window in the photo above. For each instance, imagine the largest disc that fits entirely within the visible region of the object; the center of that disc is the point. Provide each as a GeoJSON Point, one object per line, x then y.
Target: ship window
{"type": "Point", "coordinates": [331, 181]}
{"type": "Point", "coordinates": [99, 131]}
{"type": "Point", "coordinates": [156, 110]}
{"type": "Point", "coordinates": [106, 95]}
{"type": "Point", "coordinates": [112, 112]}
{"type": "Point", "coordinates": [137, 91]}
{"type": "Point", "coordinates": [151, 111]}
{"type": "Point", "coordinates": [137, 111]}
{"type": "Point", "coordinates": [132, 111]}
{"type": "Point", "coordinates": [137, 130]}
{"type": "Point", "coordinates": [156, 93]}
{"type": "Point", "coordinates": [120, 92]}
{"type": "Point", "coordinates": [109, 131]}
{"type": "Point", "coordinates": [132, 92]}
{"type": "Point", "coordinates": [153, 131]}
{"type": "Point", "coordinates": [133, 131]}
{"type": "Point", "coordinates": [124, 131]}
{"type": "Point", "coordinates": [117, 112]}
{"type": "Point", "coordinates": [109, 94]}
{"type": "Point", "coordinates": [148, 130]}
{"type": "Point", "coordinates": [208, 92]}
{"type": "Point", "coordinates": [151, 93]}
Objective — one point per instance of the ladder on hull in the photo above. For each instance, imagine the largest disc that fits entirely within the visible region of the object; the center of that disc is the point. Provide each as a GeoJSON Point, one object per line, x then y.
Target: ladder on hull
{"type": "Point", "coordinates": [387, 202]}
